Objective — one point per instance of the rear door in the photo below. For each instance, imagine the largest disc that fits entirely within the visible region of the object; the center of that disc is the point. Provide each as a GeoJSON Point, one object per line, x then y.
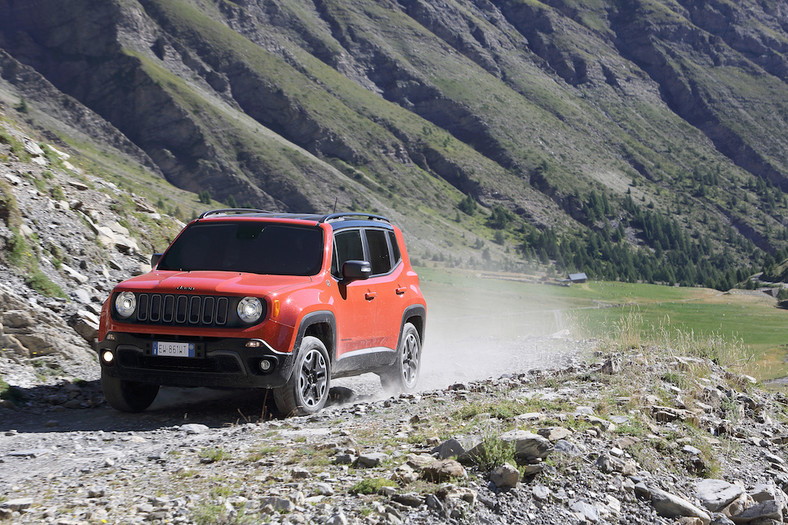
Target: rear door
{"type": "Point", "coordinates": [386, 282]}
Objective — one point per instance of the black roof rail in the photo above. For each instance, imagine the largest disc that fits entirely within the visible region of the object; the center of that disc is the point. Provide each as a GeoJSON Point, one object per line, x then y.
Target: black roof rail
{"type": "Point", "coordinates": [352, 215]}
{"type": "Point", "coordinates": [307, 216]}
{"type": "Point", "coordinates": [225, 211]}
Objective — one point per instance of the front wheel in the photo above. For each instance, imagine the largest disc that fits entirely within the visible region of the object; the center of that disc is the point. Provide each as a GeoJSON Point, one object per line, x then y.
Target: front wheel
{"type": "Point", "coordinates": [403, 375]}
{"type": "Point", "coordinates": [307, 390]}
{"type": "Point", "coordinates": [128, 396]}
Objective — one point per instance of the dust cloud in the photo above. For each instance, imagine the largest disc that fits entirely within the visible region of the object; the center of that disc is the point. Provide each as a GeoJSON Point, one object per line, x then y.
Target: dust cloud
{"type": "Point", "coordinates": [466, 340]}
{"type": "Point", "coordinates": [480, 328]}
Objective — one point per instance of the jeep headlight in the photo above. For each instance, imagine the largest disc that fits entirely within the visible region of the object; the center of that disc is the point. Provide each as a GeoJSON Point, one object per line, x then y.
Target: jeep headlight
{"type": "Point", "coordinates": [125, 304]}
{"type": "Point", "coordinates": [250, 309]}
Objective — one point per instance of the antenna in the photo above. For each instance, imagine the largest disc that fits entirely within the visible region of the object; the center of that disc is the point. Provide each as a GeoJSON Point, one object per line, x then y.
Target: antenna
{"type": "Point", "coordinates": [336, 199]}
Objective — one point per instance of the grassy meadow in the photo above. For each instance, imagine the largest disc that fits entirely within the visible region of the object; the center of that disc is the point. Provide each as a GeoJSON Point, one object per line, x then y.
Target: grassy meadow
{"type": "Point", "coordinates": [467, 304]}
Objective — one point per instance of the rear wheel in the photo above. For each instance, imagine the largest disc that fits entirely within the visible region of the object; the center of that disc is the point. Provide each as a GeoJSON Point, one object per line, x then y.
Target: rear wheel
{"type": "Point", "coordinates": [403, 375]}
{"type": "Point", "coordinates": [128, 396]}
{"type": "Point", "coordinates": [307, 390]}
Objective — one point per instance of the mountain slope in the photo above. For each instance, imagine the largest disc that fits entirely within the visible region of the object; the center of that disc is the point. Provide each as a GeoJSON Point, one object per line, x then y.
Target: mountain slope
{"type": "Point", "coordinates": [674, 111]}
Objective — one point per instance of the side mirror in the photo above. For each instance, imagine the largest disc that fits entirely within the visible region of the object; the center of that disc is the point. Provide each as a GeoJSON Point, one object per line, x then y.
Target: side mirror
{"type": "Point", "coordinates": [154, 259]}
{"type": "Point", "coordinates": [356, 270]}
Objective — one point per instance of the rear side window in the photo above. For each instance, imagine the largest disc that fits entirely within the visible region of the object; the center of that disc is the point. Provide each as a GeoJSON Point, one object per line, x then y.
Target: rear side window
{"type": "Point", "coordinates": [394, 248]}
{"type": "Point", "coordinates": [379, 255]}
{"type": "Point", "coordinates": [347, 247]}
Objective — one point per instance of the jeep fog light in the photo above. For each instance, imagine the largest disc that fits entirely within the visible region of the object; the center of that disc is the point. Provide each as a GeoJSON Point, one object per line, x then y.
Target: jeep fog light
{"type": "Point", "coordinates": [125, 304]}
{"type": "Point", "coordinates": [107, 357]}
{"type": "Point", "coordinates": [250, 309]}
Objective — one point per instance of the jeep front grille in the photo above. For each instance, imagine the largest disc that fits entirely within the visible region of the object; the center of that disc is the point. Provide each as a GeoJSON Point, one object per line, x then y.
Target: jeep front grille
{"type": "Point", "coordinates": [195, 310]}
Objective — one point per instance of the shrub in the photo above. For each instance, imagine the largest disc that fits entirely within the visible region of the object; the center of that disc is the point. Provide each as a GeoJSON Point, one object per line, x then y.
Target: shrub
{"type": "Point", "coordinates": [467, 205]}
{"type": "Point", "coordinates": [10, 393]}
{"type": "Point", "coordinates": [9, 210]}
{"type": "Point", "coordinates": [22, 106]}
{"type": "Point", "coordinates": [204, 197]}
{"type": "Point", "coordinates": [492, 452]}
{"type": "Point", "coordinates": [500, 218]}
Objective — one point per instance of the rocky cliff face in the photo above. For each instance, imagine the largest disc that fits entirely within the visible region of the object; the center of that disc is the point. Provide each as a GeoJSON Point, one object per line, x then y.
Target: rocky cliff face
{"type": "Point", "coordinates": [397, 105]}
{"type": "Point", "coordinates": [65, 240]}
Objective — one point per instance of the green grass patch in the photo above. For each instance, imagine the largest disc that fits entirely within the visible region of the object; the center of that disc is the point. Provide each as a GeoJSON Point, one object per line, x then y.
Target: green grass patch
{"type": "Point", "coordinates": [45, 368]}
{"type": "Point", "coordinates": [223, 491]}
{"type": "Point", "coordinates": [186, 474]}
{"type": "Point", "coordinates": [39, 282]}
{"type": "Point", "coordinates": [56, 192]}
{"type": "Point", "coordinates": [21, 254]}
{"type": "Point", "coordinates": [503, 409]}
{"type": "Point", "coordinates": [633, 427]}
{"type": "Point", "coordinates": [417, 438]}
{"type": "Point", "coordinates": [309, 457]}
{"type": "Point", "coordinates": [216, 514]}
{"type": "Point", "coordinates": [17, 147]}
{"type": "Point", "coordinates": [258, 454]}
{"type": "Point", "coordinates": [213, 454]}
{"type": "Point", "coordinates": [371, 486]}
{"type": "Point", "coordinates": [53, 158]}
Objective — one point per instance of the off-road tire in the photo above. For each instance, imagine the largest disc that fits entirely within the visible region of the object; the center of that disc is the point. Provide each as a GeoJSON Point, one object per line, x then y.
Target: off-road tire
{"type": "Point", "coordinates": [307, 390]}
{"type": "Point", "coordinates": [128, 396]}
{"type": "Point", "coordinates": [403, 375]}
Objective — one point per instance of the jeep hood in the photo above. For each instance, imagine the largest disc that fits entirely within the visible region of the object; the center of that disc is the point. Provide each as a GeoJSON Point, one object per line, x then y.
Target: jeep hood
{"type": "Point", "coordinates": [212, 283]}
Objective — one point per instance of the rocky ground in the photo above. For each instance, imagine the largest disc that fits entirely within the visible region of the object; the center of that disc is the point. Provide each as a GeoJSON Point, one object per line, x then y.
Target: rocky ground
{"type": "Point", "coordinates": [639, 437]}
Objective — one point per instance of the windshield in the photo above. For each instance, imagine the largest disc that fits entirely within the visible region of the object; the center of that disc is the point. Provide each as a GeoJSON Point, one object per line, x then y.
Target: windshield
{"type": "Point", "coordinates": [253, 247]}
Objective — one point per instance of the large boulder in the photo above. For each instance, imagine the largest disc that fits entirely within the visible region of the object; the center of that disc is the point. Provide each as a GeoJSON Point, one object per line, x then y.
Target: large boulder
{"type": "Point", "coordinates": [31, 331]}
{"type": "Point", "coordinates": [528, 447]}
{"type": "Point", "coordinates": [443, 470]}
{"type": "Point", "coordinates": [716, 494]}
{"type": "Point", "coordinates": [671, 506]}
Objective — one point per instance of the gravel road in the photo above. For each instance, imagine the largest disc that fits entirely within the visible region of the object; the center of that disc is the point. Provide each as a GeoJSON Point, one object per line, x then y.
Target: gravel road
{"type": "Point", "coordinates": [44, 439]}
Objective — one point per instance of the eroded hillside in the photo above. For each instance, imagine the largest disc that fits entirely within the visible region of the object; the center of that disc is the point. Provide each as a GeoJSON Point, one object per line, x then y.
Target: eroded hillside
{"type": "Point", "coordinates": [471, 122]}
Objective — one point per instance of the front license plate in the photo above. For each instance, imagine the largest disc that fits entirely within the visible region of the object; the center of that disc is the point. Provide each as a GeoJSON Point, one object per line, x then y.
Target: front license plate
{"type": "Point", "coordinates": [173, 349]}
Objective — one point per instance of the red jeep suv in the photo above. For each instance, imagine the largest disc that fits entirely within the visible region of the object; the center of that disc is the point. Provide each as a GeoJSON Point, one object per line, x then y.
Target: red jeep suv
{"type": "Point", "coordinates": [249, 299]}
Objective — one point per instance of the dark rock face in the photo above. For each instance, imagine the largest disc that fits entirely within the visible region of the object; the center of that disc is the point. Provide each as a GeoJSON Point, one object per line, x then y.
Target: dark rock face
{"type": "Point", "coordinates": [666, 51]}
{"type": "Point", "coordinates": [67, 110]}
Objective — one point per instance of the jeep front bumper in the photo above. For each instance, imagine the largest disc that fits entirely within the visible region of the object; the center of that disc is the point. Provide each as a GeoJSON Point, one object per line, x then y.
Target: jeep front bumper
{"type": "Point", "coordinates": [215, 362]}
